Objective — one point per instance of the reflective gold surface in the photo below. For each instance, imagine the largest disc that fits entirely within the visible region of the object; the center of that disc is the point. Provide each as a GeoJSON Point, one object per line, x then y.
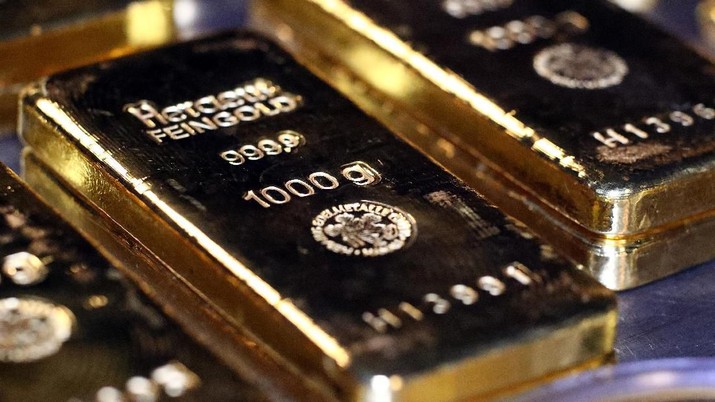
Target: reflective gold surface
{"type": "Point", "coordinates": [626, 236]}
{"type": "Point", "coordinates": [233, 344]}
{"type": "Point", "coordinates": [49, 36]}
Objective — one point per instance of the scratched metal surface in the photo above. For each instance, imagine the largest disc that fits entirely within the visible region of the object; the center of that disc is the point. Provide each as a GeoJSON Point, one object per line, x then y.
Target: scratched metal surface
{"type": "Point", "coordinates": [650, 86]}
{"type": "Point", "coordinates": [668, 318]}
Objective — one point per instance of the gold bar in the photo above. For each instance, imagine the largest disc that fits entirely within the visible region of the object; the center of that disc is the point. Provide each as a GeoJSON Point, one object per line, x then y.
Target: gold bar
{"type": "Point", "coordinates": [706, 20]}
{"type": "Point", "coordinates": [43, 37]}
{"type": "Point", "coordinates": [610, 161]}
{"type": "Point", "coordinates": [73, 322]}
{"type": "Point", "coordinates": [350, 256]}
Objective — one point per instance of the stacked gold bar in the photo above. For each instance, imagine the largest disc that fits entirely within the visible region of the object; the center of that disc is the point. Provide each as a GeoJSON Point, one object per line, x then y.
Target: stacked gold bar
{"type": "Point", "coordinates": [591, 126]}
{"type": "Point", "coordinates": [38, 38]}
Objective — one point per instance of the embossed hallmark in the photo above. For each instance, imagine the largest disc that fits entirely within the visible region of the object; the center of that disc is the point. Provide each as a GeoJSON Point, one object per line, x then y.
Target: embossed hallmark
{"type": "Point", "coordinates": [252, 101]}
{"type": "Point", "coordinates": [365, 228]}
{"type": "Point", "coordinates": [580, 67]}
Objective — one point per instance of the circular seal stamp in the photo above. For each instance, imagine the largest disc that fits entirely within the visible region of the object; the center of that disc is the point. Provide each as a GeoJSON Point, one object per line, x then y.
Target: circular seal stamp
{"type": "Point", "coordinates": [365, 228]}
{"type": "Point", "coordinates": [32, 329]}
{"type": "Point", "coordinates": [580, 67]}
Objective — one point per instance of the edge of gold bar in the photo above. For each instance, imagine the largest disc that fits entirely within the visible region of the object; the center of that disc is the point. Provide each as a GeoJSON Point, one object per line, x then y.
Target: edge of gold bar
{"type": "Point", "coordinates": [86, 32]}
{"type": "Point", "coordinates": [178, 299]}
{"type": "Point", "coordinates": [327, 329]}
{"type": "Point", "coordinates": [617, 263]}
{"type": "Point", "coordinates": [706, 19]}
{"type": "Point", "coordinates": [464, 119]}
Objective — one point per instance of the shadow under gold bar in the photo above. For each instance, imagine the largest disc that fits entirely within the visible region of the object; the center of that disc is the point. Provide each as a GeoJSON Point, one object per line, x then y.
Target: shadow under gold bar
{"type": "Point", "coordinates": [38, 38]}
{"type": "Point", "coordinates": [585, 122]}
{"type": "Point", "coordinates": [363, 266]}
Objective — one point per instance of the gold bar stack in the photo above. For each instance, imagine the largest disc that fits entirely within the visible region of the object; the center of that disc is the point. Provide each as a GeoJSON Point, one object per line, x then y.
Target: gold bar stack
{"type": "Point", "coordinates": [365, 268]}
{"type": "Point", "coordinates": [590, 125]}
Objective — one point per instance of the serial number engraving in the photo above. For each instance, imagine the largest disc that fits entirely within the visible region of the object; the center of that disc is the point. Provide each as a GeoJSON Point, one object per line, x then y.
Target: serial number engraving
{"type": "Point", "coordinates": [528, 30]}
{"type": "Point", "coordinates": [468, 294]}
{"type": "Point", "coordinates": [358, 173]}
{"type": "Point", "coordinates": [249, 102]}
{"type": "Point", "coordinates": [634, 132]}
{"type": "Point", "coordinates": [285, 142]}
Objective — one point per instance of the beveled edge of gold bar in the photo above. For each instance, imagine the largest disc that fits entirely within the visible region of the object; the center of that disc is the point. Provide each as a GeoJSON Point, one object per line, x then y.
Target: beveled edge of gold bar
{"type": "Point", "coordinates": [484, 130]}
{"type": "Point", "coordinates": [140, 25]}
{"type": "Point", "coordinates": [591, 336]}
{"type": "Point", "coordinates": [619, 264]}
{"type": "Point", "coordinates": [497, 372]}
{"type": "Point", "coordinates": [177, 299]}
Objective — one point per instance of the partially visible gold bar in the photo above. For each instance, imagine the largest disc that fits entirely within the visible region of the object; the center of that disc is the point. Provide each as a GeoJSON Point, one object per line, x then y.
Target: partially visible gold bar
{"type": "Point", "coordinates": [706, 18]}
{"type": "Point", "coordinates": [623, 188]}
{"type": "Point", "coordinates": [234, 345]}
{"type": "Point", "coordinates": [74, 327]}
{"type": "Point", "coordinates": [39, 38]}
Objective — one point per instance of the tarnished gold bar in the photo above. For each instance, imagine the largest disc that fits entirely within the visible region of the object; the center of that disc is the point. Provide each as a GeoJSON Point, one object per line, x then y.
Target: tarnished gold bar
{"type": "Point", "coordinates": [599, 128]}
{"type": "Point", "coordinates": [38, 38]}
{"type": "Point", "coordinates": [362, 265]}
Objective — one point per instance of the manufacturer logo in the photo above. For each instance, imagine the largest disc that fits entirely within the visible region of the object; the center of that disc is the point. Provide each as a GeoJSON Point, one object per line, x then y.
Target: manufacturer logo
{"type": "Point", "coordinates": [32, 329]}
{"type": "Point", "coordinates": [580, 67]}
{"type": "Point", "coordinates": [364, 228]}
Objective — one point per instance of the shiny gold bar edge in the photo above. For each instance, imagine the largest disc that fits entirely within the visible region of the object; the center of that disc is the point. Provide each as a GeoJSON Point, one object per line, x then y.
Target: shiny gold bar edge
{"type": "Point", "coordinates": [619, 262]}
{"type": "Point", "coordinates": [177, 298]}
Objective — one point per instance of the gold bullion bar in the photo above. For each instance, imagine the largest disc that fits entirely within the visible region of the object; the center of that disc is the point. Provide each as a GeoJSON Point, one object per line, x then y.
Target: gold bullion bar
{"type": "Point", "coordinates": [620, 193]}
{"type": "Point", "coordinates": [43, 37]}
{"type": "Point", "coordinates": [361, 264]}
